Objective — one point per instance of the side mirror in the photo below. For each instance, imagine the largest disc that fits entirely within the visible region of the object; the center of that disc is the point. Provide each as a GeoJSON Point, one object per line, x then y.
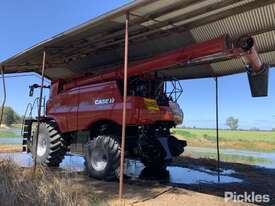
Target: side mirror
{"type": "Point", "coordinates": [32, 87]}
{"type": "Point", "coordinates": [31, 91]}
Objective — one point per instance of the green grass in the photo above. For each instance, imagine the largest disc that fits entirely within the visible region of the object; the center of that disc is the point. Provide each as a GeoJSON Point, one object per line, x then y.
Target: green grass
{"type": "Point", "coordinates": [228, 135]}
{"type": "Point", "coordinates": [250, 140]}
{"type": "Point", "coordinates": [16, 126]}
{"type": "Point", "coordinates": [8, 133]}
{"type": "Point", "coordinates": [11, 131]}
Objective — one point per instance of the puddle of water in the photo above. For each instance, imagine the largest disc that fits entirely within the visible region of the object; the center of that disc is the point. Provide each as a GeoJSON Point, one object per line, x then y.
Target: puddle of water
{"type": "Point", "coordinates": [191, 176]}
{"type": "Point", "coordinates": [135, 170]}
{"type": "Point", "coordinates": [70, 162]}
{"type": "Point", "coordinates": [73, 163]}
{"type": "Point", "coordinates": [248, 153]}
{"type": "Point", "coordinates": [182, 175]}
{"type": "Point", "coordinates": [15, 136]}
{"type": "Point", "coordinates": [12, 140]}
{"type": "Point", "coordinates": [15, 131]}
{"type": "Point", "coordinates": [269, 156]}
{"type": "Point", "coordinates": [22, 159]}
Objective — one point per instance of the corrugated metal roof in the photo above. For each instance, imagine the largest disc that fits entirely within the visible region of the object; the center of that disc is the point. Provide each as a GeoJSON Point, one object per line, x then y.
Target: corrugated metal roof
{"type": "Point", "coordinates": [259, 21]}
{"type": "Point", "coordinates": [156, 26]}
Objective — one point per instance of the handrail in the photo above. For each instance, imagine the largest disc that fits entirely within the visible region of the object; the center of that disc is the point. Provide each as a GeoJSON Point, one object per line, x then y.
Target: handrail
{"type": "Point", "coordinates": [30, 107]}
{"type": "Point", "coordinates": [176, 92]}
{"type": "Point", "coordinates": [24, 117]}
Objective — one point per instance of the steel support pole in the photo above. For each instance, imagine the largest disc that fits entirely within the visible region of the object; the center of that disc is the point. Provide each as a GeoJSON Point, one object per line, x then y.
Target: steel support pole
{"type": "Point", "coordinates": [39, 107]}
{"type": "Point", "coordinates": [5, 94]}
{"type": "Point", "coordinates": [217, 126]}
{"type": "Point", "coordinates": [121, 175]}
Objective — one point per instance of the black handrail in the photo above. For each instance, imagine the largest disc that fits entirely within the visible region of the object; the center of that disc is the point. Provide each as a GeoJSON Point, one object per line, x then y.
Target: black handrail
{"type": "Point", "coordinates": [30, 107]}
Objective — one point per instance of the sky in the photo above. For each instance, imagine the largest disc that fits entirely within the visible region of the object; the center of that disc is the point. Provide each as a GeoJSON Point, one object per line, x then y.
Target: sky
{"type": "Point", "coordinates": [27, 22]}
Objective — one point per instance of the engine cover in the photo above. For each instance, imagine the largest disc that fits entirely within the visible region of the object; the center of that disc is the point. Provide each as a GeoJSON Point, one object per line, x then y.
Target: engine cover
{"type": "Point", "coordinates": [177, 112]}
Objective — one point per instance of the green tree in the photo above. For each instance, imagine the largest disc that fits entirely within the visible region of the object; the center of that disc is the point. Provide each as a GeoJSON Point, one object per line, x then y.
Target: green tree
{"type": "Point", "coordinates": [232, 123]}
{"type": "Point", "coordinates": [10, 116]}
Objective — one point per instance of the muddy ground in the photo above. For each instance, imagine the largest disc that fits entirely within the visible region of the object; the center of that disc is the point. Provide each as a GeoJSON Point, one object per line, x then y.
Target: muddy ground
{"type": "Point", "coordinates": [10, 148]}
{"type": "Point", "coordinates": [156, 189]}
{"type": "Point", "coordinates": [162, 192]}
{"type": "Point", "coordinates": [144, 193]}
{"type": "Point", "coordinates": [254, 179]}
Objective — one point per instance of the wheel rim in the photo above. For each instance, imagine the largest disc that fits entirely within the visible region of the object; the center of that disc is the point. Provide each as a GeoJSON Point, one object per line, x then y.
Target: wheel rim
{"type": "Point", "coordinates": [41, 146]}
{"type": "Point", "coordinates": [99, 159]}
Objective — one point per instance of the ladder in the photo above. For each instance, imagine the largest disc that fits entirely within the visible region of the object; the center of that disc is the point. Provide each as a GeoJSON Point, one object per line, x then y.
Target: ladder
{"type": "Point", "coordinates": [27, 123]}
{"type": "Point", "coordinates": [27, 135]}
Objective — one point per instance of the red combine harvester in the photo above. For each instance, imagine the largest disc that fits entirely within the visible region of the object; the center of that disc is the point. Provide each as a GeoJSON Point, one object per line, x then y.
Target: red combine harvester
{"type": "Point", "coordinates": [93, 104]}
{"type": "Point", "coordinates": [83, 113]}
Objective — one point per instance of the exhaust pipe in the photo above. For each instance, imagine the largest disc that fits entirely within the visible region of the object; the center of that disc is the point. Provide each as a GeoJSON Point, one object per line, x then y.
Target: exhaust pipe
{"type": "Point", "coordinates": [257, 72]}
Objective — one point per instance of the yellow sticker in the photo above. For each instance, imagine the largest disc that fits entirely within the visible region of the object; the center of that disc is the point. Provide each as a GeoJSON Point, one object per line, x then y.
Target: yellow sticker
{"type": "Point", "coordinates": [151, 104]}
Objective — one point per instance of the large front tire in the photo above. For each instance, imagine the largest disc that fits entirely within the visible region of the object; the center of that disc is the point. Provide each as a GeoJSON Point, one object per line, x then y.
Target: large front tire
{"type": "Point", "coordinates": [102, 157]}
{"type": "Point", "coordinates": [51, 148]}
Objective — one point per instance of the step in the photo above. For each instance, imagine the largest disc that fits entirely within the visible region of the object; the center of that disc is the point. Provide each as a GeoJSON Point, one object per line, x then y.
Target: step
{"type": "Point", "coordinates": [26, 136]}
{"type": "Point", "coordinates": [26, 131]}
{"type": "Point", "coordinates": [28, 122]}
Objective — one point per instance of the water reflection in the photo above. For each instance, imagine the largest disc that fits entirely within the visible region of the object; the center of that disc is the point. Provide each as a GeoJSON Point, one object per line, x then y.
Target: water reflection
{"type": "Point", "coordinates": [136, 170]}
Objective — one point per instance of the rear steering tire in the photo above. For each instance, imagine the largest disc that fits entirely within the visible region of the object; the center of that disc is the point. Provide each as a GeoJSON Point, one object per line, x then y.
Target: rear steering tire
{"type": "Point", "coordinates": [51, 147]}
{"type": "Point", "coordinates": [153, 154]}
{"type": "Point", "coordinates": [102, 157]}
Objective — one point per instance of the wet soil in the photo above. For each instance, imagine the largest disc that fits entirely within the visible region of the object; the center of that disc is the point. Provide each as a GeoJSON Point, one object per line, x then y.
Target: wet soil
{"type": "Point", "coordinates": [188, 181]}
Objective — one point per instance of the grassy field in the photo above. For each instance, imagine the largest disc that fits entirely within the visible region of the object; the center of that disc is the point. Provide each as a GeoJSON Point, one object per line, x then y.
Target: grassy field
{"type": "Point", "coordinates": [249, 140]}
{"type": "Point", "coordinates": [229, 158]}
{"type": "Point", "coordinates": [6, 134]}
{"type": "Point", "coordinates": [10, 132]}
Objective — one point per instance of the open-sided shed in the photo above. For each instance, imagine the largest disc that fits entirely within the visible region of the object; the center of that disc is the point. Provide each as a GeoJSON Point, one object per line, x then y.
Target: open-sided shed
{"type": "Point", "coordinates": [152, 27]}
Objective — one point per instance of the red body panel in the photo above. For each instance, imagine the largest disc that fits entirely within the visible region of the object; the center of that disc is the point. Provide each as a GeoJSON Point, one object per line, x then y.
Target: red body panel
{"type": "Point", "coordinates": [75, 109]}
